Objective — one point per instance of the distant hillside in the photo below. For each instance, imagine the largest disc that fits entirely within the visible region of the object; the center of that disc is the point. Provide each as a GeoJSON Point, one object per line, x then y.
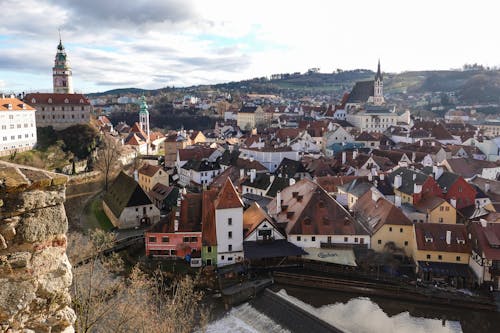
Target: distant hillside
{"type": "Point", "coordinates": [121, 91]}
{"type": "Point", "coordinates": [473, 86]}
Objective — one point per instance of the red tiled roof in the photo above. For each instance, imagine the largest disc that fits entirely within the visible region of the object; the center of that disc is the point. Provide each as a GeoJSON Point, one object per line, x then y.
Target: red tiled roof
{"type": "Point", "coordinates": [149, 170]}
{"type": "Point", "coordinates": [43, 98]}
{"type": "Point", "coordinates": [209, 231]}
{"type": "Point", "coordinates": [195, 153]}
{"type": "Point", "coordinates": [438, 233]}
{"type": "Point", "coordinates": [485, 237]}
{"type": "Point", "coordinates": [253, 217]}
{"type": "Point", "coordinates": [228, 197]}
{"type": "Point", "coordinates": [16, 105]}
{"type": "Point", "coordinates": [379, 213]}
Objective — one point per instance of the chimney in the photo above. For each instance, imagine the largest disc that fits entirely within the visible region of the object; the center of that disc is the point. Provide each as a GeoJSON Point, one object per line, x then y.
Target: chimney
{"type": "Point", "coordinates": [398, 181]}
{"type": "Point", "coordinates": [278, 202]}
{"type": "Point", "coordinates": [421, 143]}
{"type": "Point", "coordinates": [344, 157]}
{"type": "Point", "coordinates": [136, 175]}
{"type": "Point", "coordinates": [433, 143]}
{"type": "Point", "coordinates": [448, 237]}
{"type": "Point", "coordinates": [397, 201]}
{"type": "Point", "coordinates": [354, 154]}
{"type": "Point", "coordinates": [381, 176]}
{"type": "Point", "coordinates": [453, 202]}
{"type": "Point", "coordinates": [287, 140]}
{"type": "Point", "coordinates": [370, 177]}
{"type": "Point", "coordinates": [291, 181]}
{"type": "Point", "coordinates": [252, 175]}
{"type": "Point", "coordinates": [176, 225]}
{"type": "Point", "coordinates": [375, 194]}
{"type": "Point", "coordinates": [414, 176]}
{"type": "Point", "coordinates": [438, 171]}
{"type": "Point", "coordinates": [487, 187]}
{"type": "Point", "coordinates": [417, 188]}
{"type": "Point", "coordinates": [242, 173]}
{"type": "Point", "coordinates": [413, 157]}
{"type": "Point", "coordinates": [484, 223]}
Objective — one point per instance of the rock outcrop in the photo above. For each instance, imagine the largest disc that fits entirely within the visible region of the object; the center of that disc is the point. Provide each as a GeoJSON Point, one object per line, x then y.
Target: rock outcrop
{"type": "Point", "coordinates": [35, 273]}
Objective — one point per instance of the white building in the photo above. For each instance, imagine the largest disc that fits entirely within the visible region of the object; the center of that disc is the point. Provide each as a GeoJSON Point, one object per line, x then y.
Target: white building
{"type": "Point", "coordinates": [18, 126]}
{"type": "Point", "coordinates": [374, 118]}
{"type": "Point", "coordinates": [229, 225]}
{"type": "Point", "coordinates": [270, 157]}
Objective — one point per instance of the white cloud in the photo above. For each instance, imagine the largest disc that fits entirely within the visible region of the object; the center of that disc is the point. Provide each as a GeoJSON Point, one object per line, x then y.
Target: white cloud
{"type": "Point", "coordinates": [154, 43]}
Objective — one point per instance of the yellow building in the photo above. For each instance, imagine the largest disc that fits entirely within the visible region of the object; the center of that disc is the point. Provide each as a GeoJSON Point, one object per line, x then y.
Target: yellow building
{"type": "Point", "coordinates": [149, 175]}
{"type": "Point", "coordinates": [390, 228]}
{"type": "Point", "coordinates": [173, 143]}
{"type": "Point", "coordinates": [250, 117]}
{"type": "Point", "coordinates": [197, 137]}
{"type": "Point", "coordinates": [442, 252]}
{"type": "Point", "coordinates": [437, 210]}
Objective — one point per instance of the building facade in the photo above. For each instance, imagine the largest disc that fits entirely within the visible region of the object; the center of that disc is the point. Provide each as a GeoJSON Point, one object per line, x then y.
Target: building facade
{"type": "Point", "coordinates": [18, 126]}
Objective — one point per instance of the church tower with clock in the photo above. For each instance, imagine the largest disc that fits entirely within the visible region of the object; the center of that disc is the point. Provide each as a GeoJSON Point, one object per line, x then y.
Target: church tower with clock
{"type": "Point", "coordinates": [61, 72]}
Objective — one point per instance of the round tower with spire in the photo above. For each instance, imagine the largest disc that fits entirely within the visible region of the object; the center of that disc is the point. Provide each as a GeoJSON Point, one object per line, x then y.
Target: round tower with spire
{"type": "Point", "coordinates": [144, 117]}
{"type": "Point", "coordinates": [61, 72]}
{"type": "Point", "coordinates": [378, 87]}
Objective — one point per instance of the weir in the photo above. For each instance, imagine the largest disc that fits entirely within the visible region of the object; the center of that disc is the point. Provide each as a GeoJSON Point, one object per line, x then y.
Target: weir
{"type": "Point", "coordinates": [289, 315]}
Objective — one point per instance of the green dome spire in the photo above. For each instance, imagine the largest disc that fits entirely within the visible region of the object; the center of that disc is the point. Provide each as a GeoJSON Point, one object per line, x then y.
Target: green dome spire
{"type": "Point", "coordinates": [143, 105]}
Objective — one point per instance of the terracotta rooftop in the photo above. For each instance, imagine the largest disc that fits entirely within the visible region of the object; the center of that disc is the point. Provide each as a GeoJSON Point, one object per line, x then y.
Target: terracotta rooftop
{"type": "Point", "coordinates": [15, 105]}
{"type": "Point", "coordinates": [437, 232]}
{"type": "Point", "coordinates": [228, 197]}
{"type": "Point", "coordinates": [51, 98]}
{"type": "Point", "coordinates": [253, 217]}
{"type": "Point", "coordinates": [149, 170]}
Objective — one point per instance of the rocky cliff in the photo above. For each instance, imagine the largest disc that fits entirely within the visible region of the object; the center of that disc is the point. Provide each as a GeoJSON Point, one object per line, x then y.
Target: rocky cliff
{"type": "Point", "coordinates": [35, 273]}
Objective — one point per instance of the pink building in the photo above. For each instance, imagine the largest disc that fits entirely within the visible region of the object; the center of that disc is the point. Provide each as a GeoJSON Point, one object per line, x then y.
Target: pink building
{"type": "Point", "coordinates": [178, 234]}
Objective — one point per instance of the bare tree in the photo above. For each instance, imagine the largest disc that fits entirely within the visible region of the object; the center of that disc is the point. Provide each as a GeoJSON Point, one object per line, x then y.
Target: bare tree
{"type": "Point", "coordinates": [106, 299]}
{"type": "Point", "coordinates": [107, 157]}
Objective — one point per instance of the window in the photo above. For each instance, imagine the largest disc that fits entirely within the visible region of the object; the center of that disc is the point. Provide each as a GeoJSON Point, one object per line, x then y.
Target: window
{"type": "Point", "coordinates": [390, 228]}
{"type": "Point", "coordinates": [441, 208]}
{"type": "Point", "coordinates": [400, 229]}
{"type": "Point", "coordinates": [313, 238]}
{"type": "Point", "coordinates": [460, 189]}
{"type": "Point", "coordinates": [440, 220]}
{"type": "Point", "coordinates": [458, 258]}
{"type": "Point", "coordinates": [185, 239]}
{"type": "Point", "coordinates": [136, 209]}
{"type": "Point", "coordinates": [379, 241]}
{"type": "Point", "coordinates": [406, 243]}
{"type": "Point", "coordinates": [447, 208]}
{"type": "Point", "coordinates": [298, 238]}
{"type": "Point", "coordinates": [355, 239]}
{"type": "Point", "coordinates": [230, 247]}
{"type": "Point", "coordinates": [440, 257]}
{"type": "Point", "coordinates": [428, 256]}
{"type": "Point", "coordinates": [193, 239]}
{"type": "Point", "coordinates": [229, 234]}
{"type": "Point", "coordinates": [346, 239]}
{"type": "Point", "coordinates": [164, 239]}
{"type": "Point", "coordinates": [152, 239]}
{"type": "Point", "coordinates": [229, 221]}
{"type": "Point", "coordinates": [209, 250]}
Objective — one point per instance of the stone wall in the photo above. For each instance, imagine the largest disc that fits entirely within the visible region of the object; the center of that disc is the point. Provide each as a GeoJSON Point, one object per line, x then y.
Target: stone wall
{"type": "Point", "coordinates": [35, 273]}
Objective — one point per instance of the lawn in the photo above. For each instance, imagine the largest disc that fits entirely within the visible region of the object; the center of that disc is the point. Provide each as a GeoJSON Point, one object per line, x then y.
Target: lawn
{"type": "Point", "coordinates": [94, 215]}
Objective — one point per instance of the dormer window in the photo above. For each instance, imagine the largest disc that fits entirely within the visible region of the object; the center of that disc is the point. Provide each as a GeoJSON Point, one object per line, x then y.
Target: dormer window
{"type": "Point", "coordinates": [460, 241]}
{"type": "Point", "coordinates": [81, 101]}
{"type": "Point", "coordinates": [66, 101]}
{"type": "Point", "coordinates": [33, 100]}
{"type": "Point", "coordinates": [50, 100]}
{"type": "Point", "coordinates": [428, 238]}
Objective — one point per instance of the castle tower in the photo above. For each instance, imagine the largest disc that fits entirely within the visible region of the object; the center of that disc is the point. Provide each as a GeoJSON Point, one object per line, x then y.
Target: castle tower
{"type": "Point", "coordinates": [144, 117]}
{"type": "Point", "coordinates": [61, 72]}
{"type": "Point", "coordinates": [378, 87]}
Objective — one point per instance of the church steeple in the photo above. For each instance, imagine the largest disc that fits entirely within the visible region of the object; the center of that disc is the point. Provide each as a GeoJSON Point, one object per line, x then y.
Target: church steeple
{"type": "Point", "coordinates": [378, 87]}
{"type": "Point", "coordinates": [61, 72]}
{"type": "Point", "coordinates": [378, 76]}
{"type": "Point", "coordinates": [144, 117]}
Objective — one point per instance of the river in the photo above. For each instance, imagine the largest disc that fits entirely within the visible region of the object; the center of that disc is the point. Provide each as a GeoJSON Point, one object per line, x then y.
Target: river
{"type": "Point", "coordinates": [355, 314]}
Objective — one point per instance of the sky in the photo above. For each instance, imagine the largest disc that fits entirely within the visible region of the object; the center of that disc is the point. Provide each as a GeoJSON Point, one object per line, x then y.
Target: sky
{"type": "Point", "coordinates": [157, 43]}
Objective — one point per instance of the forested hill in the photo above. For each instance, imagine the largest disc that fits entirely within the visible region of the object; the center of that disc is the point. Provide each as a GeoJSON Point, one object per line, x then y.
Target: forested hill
{"type": "Point", "coordinates": [470, 86]}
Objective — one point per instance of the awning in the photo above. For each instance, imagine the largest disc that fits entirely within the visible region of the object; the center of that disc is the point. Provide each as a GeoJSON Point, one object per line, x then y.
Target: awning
{"type": "Point", "coordinates": [333, 256]}
{"type": "Point", "coordinates": [445, 269]}
{"type": "Point", "coordinates": [272, 249]}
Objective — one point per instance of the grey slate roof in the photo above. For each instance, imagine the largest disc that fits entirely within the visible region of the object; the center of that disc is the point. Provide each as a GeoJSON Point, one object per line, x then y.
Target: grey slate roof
{"type": "Point", "coordinates": [125, 192]}
{"type": "Point", "coordinates": [407, 179]}
{"type": "Point", "coordinates": [361, 91]}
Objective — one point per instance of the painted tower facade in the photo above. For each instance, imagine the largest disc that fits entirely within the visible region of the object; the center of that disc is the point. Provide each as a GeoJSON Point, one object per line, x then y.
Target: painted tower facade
{"type": "Point", "coordinates": [61, 72]}
{"type": "Point", "coordinates": [144, 117]}
{"type": "Point", "coordinates": [378, 87]}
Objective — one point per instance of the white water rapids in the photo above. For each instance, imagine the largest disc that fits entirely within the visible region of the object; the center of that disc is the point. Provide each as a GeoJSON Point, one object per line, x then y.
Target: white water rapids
{"type": "Point", "coordinates": [358, 315]}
